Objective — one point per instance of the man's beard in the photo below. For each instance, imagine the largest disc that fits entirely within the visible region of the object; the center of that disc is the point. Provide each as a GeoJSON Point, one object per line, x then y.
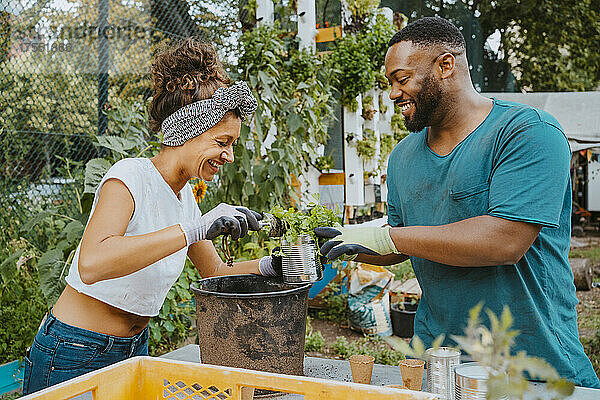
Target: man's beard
{"type": "Point", "coordinates": [426, 104]}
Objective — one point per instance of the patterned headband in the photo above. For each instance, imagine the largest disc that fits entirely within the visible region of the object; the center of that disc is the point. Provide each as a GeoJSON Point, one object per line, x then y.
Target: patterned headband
{"type": "Point", "coordinates": [196, 118]}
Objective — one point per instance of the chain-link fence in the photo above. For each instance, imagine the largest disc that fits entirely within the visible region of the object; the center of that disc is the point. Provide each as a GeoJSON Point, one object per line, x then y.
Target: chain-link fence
{"type": "Point", "coordinates": [61, 63]}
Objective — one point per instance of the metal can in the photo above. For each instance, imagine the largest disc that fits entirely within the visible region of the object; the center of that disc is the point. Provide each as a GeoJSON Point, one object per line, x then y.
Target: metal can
{"type": "Point", "coordinates": [440, 371]}
{"type": "Point", "coordinates": [470, 382]}
{"type": "Point", "coordinates": [300, 262]}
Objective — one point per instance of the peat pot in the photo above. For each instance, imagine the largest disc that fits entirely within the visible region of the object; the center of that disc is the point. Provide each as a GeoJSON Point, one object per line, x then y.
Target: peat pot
{"type": "Point", "coordinates": [251, 321]}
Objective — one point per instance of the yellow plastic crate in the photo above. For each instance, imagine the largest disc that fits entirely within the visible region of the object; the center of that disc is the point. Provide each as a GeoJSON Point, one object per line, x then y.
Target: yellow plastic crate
{"type": "Point", "coordinates": [157, 378]}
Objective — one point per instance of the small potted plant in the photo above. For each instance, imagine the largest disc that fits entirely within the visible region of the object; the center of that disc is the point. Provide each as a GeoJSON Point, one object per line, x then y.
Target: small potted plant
{"type": "Point", "coordinates": [368, 112]}
{"type": "Point", "coordinates": [324, 163]}
{"type": "Point", "coordinates": [403, 314]}
{"type": "Point", "coordinates": [299, 244]}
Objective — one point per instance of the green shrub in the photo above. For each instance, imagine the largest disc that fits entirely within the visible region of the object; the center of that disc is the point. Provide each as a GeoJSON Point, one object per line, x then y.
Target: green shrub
{"type": "Point", "coordinates": [313, 341]}
{"type": "Point", "coordinates": [22, 305]}
{"type": "Point", "coordinates": [336, 309]}
{"type": "Point", "coordinates": [370, 346]}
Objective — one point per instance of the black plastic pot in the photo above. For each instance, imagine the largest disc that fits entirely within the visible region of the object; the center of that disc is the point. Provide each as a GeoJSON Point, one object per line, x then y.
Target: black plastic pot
{"type": "Point", "coordinates": [253, 322]}
{"type": "Point", "coordinates": [403, 319]}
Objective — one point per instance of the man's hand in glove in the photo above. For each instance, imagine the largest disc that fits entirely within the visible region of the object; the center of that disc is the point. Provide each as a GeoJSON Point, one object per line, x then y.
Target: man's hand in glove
{"type": "Point", "coordinates": [350, 242]}
{"type": "Point", "coordinates": [221, 220]}
{"type": "Point", "coordinates": [271, 265]}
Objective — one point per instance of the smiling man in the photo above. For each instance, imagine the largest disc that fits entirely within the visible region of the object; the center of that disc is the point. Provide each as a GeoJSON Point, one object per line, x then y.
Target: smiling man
{"type": "Point", "coordinates": [479, 198]}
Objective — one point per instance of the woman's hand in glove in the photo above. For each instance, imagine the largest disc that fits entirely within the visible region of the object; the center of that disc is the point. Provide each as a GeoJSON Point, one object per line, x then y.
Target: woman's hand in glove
{"type": "Point", "coordinates": [271, 265]}
{"type": "Point", "coordinates": [349, 242]}
{"type": "Point", "coordinates": [224, 219]}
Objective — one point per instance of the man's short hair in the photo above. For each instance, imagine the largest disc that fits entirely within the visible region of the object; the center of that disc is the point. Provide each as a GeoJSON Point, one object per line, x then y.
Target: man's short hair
{"type": "Point", "coordinates": [430, 31]}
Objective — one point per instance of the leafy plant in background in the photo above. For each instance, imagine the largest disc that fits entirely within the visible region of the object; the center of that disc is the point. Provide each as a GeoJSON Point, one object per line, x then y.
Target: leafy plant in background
{"type": "Point", "coordinates": [295, 98]}
{"type": "Point", "coordinates": [359, 58]}
{"type": "Point", "coordinates": [356, 75]}
{"type": "Point", "coordinates": [369, 345]}
{"type": "Point", "coordinates": [366, 147]}
{"type": "Point", "coordinates": [360, 13]}
{"type": "Point", "coordinates": [313, 340]}
{"type": "Point", "coordinates": [324, 163]}
{"type": "Point", "coordinates": [368, 112]}
{"type": "Point", "coordinates": [491, 349]}
{"type": "Point", "coordinates": [397, 124]}
{"type": "Point", "coordinates": [335, 308]}
{"type": "Point", "coordinates": [382, 83]}
{"type": "Point", "coordinates": [22, 304]}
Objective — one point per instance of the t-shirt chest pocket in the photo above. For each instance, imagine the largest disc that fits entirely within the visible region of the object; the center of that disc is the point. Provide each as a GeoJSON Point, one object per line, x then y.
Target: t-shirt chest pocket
{"type": "Point", "coordinates": [469, 202]}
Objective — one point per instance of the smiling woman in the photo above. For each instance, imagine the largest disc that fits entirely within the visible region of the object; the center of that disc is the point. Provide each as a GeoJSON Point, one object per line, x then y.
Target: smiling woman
{"type": "Point", "coordinates": [145, 221]}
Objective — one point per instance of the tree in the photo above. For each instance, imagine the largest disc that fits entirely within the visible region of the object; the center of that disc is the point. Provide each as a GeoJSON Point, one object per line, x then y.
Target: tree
{"type": "Point", "coordinates": [547, 44]}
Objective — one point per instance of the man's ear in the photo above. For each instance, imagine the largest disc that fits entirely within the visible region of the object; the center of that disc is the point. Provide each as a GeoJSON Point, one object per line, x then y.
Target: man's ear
{"type": "Point", "coordinates": [446, 63]}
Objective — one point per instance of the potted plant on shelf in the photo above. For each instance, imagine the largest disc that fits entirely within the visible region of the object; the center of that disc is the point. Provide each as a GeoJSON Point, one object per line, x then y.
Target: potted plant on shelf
{"type": "Point", "coordinates": [324, 163]}
{"type": "Point", "coordinates": [405, 300]}
{"type": "Point", "coordinates": [368, 112]}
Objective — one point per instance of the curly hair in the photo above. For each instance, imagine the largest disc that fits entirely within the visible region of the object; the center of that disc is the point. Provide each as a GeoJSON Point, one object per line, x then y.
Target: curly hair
{"type": "Point", "coordinates": [183, 74]}
{"type": "Point", "coordinates": [430, 31]}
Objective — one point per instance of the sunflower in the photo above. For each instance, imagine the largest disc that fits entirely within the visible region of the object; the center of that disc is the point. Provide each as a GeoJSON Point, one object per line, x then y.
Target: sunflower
{"type": "Point", "coordinates": [199, 190]}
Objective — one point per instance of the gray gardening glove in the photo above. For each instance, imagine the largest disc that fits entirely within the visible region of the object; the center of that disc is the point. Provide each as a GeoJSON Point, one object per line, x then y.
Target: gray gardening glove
{"type": "Point", "coordinates": [221, 220]}
{"type": "Point", "coordinates": [271, 265]}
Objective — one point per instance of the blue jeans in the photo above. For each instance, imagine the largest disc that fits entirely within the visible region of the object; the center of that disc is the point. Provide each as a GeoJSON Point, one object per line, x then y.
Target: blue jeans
{"type": "Point", "coordinates": [60, 352]}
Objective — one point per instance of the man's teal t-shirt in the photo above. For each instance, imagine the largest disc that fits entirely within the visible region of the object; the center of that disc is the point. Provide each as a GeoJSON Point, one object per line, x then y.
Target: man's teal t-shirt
{"type": "Point", "coordinates": [515, 166]}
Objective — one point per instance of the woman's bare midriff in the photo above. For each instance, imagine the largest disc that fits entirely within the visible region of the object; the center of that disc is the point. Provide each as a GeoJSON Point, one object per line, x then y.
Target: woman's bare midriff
{"type": "Point", "coordinates": [83, 311]}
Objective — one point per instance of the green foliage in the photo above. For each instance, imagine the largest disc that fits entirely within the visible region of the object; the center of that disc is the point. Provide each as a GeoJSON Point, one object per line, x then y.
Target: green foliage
{"type": "Point", "coordinates": [548, 46]}
{"type": "Point", "coordinates": [386, 145]}
{"type": "Point", "coordinates": [303, 223]}
{"type": "Point", "coordinates": [382, 84]}
{"type": "Point", "coordinates": [366, 147]}
{"type": "Point", "coordinates": [359, 57]}
{"type": "Point", "coordinates": [21, 302]}
{"type": "Point", "coordinates": [336, 309]}
{"type": "Point", "coordinates": [295, 97]}
{"type": "Point", "coordinates": [37, 122]}
{"type": "Point", "coordinates": [397, 124]}
{"type": "Point", "coordinates": [369, 345]}
{"type": "Point", "coordinates": [490, 347]}
{"type": "Point", "coordinates": [313, 341]}
{"type": "Point", "coordinates": [356, 75]}
{"type": "Point", "coordinates": [549, 58]}
{"type": "Point", "coordinates": [368, 112]}
{"type": "Point", "coordinates": [4, 34]}
{"type": "Point", "coordinates": [324, 163]}
{"type": "Point", "coordinates": [361, 11]}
